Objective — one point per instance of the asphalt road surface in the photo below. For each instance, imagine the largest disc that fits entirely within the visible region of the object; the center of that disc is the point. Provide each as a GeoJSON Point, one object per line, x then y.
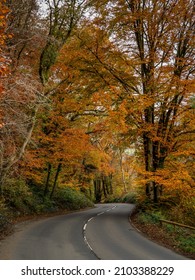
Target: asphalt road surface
{"type": "Point", "coordinates": [103, 232]}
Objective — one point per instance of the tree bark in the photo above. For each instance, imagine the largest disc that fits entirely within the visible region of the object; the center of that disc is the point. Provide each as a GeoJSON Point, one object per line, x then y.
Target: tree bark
{"type": "Point", "coordinates": [104, 187]}
{"type": "Point", "coordinates": [46, 191]}
{"type": "Point", "coordinates": [122, 172]}
{"type": "Point", "coordinates": [98, 190]}
{"type": "Point", "coordinates": [56, 179]}
{"type": "Point", "coordinates": [15, 158]}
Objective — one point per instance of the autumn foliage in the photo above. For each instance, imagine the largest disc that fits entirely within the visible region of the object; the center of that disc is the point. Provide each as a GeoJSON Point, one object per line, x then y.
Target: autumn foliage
{"type": "Point", "coordinates": [3, 60]}
{"type": "Point", "coordinates": [100, 98]}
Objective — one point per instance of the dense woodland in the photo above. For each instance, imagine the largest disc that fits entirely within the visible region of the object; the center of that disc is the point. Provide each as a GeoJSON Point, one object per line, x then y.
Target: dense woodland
{"type": "Point", "coordinates": [97, 97]}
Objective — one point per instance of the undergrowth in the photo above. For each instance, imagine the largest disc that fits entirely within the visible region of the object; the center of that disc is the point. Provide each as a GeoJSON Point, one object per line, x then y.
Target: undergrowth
{"type": "Point", "coordinates": [182, 238]}
{"type": "Point", "coordinates": [19, 200]}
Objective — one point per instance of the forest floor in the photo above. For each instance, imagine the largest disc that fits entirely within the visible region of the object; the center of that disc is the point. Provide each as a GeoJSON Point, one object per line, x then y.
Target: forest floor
{"type": "Point", "coordinates": [160, 235]}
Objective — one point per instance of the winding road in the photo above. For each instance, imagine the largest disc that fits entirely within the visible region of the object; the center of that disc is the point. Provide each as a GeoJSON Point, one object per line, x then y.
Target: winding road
{"type": "Point", "coordinates": [103, 232]}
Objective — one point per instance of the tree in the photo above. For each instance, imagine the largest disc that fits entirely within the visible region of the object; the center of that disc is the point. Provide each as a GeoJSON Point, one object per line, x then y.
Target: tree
{"type": "Point", "coordinates": [120, 79]}
{"type": "Point", "coordinates": [3, 59]}
{"type": "Point", "coordinates": [157, 39]}
{"type": "Point", "coordinates": [87, 57]}
{"type": "Point", "coordinates": [72, 124]}
{"type": "Point", "coordinates": [20, 100]}
{"type": "Point", "coordinates": [3, 36]}
{"type": "Point", "coordinates": [60, 148]}
{"type": "Point", "coordinates": [63, 19]}
{"type": "Point", "coordinates": [22, 24]}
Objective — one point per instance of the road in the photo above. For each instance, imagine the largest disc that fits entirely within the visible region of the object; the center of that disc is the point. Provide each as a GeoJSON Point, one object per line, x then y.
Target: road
{"type": "Point", "coordinates": [103, 232]}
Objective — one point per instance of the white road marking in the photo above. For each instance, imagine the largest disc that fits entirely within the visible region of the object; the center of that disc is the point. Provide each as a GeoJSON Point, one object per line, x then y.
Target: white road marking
{"type": "Point", "coordinates": [100, 213]}
{"type": "Point", "coordinates": [85, 227]}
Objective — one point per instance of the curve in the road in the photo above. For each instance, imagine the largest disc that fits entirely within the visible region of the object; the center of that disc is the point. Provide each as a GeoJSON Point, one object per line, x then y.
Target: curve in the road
{"type": "Point", "coordinates": [103, 232]}
{"type": "Point", "coordinates": [112, 237]}
{"type": "Point", "coordinates": [85, 228]}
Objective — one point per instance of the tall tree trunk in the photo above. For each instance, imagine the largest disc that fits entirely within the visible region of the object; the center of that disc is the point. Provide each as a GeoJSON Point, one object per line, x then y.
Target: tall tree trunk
{"type": "Point", "coordinates": [56, 179]}
{"type": "Point", "coordinates": [149, 153]}
{"type": "Point", "coordinates": [158, 164]}
{"type": "Point", "coordinates": [104, 186]}
{"type": "Point", "coordinates": [98, 190]}
{"type": "Point", "coordinates": [107, 184]}
{"type": "Point", "coordinates": [21, 150]}
{"type": "Point", "coordinates": [122, 172]}
{"type": "Point", "coordinates": [155, 192]}
{"type": "Point", "coordinates": [46, 191]}
{"type": "Point", "coordinates": [110, 184]}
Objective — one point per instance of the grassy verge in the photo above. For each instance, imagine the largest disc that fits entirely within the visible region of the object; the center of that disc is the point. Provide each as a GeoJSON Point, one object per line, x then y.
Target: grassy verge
{"type": "Point", "coordinates": [179, 239]}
